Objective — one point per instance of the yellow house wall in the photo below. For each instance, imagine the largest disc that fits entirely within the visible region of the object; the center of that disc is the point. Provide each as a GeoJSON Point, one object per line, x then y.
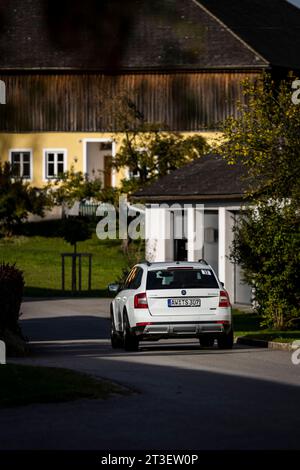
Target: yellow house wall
{"type": "Point", "coordinates": [73, 143]}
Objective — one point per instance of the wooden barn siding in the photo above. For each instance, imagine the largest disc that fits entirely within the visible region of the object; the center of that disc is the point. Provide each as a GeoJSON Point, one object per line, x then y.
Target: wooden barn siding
{"type": "Point", "coordinates": [81, 102]}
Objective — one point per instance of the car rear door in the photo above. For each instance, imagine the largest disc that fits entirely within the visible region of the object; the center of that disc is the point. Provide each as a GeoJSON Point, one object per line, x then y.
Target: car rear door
{"type": "Point", "coordinates": [132, 282]}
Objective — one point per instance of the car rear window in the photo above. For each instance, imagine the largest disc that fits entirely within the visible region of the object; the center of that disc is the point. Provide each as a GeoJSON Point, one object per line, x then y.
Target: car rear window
{"type": "Point", "coordinates": [181, 278]}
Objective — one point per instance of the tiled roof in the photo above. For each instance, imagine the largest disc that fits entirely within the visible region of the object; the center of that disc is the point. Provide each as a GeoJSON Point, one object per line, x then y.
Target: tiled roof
{"type": "Point", "coordinates": [207, 177]}
{"type": "Point", "coordinates": [116, 35]}
{"type": "Point", "coordinates": [270, 27]}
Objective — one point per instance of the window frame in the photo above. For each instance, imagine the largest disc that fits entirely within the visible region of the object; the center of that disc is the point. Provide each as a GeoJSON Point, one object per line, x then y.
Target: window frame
{"type": "Point", "coordinates": [21, 151]}
{"type": "Point", "coordinates": [130, 278]}
{"type": "Point", "coordinates": [137, 281]}
{"type": "Point", "coordinates": [46, 151]}
{"type": "Point", "coordinates": [171, 286]}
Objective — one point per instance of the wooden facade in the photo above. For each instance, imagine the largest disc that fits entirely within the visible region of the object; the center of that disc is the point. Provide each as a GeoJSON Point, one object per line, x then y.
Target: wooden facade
{"type": "Point", "coordinates": [80, 102]}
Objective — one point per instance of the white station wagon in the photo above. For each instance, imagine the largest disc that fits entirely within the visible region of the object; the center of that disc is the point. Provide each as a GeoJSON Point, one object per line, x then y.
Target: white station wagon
{"type": "Point", "coordinates": [170, 300]}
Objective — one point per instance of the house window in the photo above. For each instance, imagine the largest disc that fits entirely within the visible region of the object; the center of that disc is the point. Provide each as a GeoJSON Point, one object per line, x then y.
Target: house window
{"type": "Point", "coordinates": [105, 146]}
{"type": "Point", "coordinates": [55, 161]}
{"type": "Point", "coordinates": [21, 163]}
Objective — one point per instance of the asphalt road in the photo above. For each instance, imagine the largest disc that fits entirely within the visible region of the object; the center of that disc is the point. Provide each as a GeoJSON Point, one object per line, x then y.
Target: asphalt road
{"type": "Point", "coordinates": [186, 397]}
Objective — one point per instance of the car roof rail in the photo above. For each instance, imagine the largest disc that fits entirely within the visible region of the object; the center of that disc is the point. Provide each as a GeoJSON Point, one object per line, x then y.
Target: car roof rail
{"type": "Point", "coordinates": [203, 261]}
{"type": "Point", "coordinates": [144, 261]}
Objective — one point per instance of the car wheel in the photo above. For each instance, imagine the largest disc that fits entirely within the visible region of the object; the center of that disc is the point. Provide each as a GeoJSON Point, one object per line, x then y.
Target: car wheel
{"type": "Point", "coordinates": [130, 341]}
{"type": "Point", "coordinates": [226, 341]}
{"type": "Point", "coordinates": [114, 337]}
{"type": "Point", "coordinates": [206, 342]}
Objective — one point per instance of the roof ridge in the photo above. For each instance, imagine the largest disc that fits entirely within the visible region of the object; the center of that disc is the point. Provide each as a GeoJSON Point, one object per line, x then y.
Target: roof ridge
{"type": "Point", "coordinates": [200, 5]}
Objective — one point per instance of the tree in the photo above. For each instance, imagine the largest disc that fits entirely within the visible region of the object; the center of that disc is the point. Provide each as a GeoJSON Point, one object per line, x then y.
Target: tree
{"type": "Point", "coordinates": [151, 154]}
{"type": "Point", "coordinates": [74, 230]}
{"type": "Point", "coordinates": [265, 138]}
{"type": "Point", "coordinates": [147, 151]}
{"type": "Point", "coordinates": [18, 199]}
{"type": "Point", "coordinates": [75, 186]}
{"type": "Point", "coordinates": [267, 246]}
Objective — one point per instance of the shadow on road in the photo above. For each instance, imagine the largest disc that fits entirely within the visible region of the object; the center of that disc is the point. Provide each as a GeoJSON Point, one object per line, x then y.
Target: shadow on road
{"type": "Point", "coordinates": [66, 328]}
{"type": "Point", "coordinates": [89, 335]}
{"type": "Point", "coordinates": [177, 408]}
{"type": "Point", "coordinates": [239, 399]}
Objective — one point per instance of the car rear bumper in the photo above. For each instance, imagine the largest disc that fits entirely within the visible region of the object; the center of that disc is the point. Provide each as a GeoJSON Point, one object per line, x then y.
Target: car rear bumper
{"type": "Point", "coordinates": [181, 329]}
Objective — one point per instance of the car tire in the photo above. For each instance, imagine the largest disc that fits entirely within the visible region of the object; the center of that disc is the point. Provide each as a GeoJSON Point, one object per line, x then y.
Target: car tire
{"type": "Point", "coordinates": [130, 340]}
{"type": "Point", "coordinates": [206, 342]}
{"type": "Point", "coordinates": [115, 339]}
{"type": "Point", "coordinates": [226, 340]}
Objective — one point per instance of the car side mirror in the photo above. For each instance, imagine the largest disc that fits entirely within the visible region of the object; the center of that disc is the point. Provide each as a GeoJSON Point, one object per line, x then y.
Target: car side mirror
{"type": "Point", "coordinates": [222, 284]}
{"type": "Point", "coordinates": [113, 288]}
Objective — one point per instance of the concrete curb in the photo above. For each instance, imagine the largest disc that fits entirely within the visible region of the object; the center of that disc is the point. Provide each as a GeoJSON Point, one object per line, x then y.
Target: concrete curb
{"type": "Point", "coordinates": [260, 343]}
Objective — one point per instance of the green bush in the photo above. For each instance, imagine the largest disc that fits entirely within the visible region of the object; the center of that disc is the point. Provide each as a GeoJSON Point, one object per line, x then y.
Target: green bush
{"type": "Point", "coordinates": [50, 228]}
{"type": "Point", "coordinates": [43, 228]}
{"type": "Point", "coordinates": [267, 246]}
{"type": "Point", "coordinates": [265, 138]}
{"type": "Point", "coordinates": [18, 199]}
{"type": "Point", "coordinates": [16, 345]}
{"type": "Point", "coordinates": [74, 230]}
{"type": "Point", "coordinates": [11, 292]}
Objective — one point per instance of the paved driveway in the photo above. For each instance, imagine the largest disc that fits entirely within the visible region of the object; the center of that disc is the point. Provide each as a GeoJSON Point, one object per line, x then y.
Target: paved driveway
{"type": "Point", "coordinates": [187, 397]}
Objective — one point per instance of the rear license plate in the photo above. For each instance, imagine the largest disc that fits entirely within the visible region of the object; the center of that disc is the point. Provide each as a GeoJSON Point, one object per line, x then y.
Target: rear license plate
{"type": "Point", "coordinates": [184, 302]}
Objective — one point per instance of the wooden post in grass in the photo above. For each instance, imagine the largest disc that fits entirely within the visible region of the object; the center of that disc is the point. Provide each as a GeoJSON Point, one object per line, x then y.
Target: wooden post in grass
{"type": "Point", "coordinates": [79, 273]}
{"type": "Point", "coordinates": [75, 229]}
{"type": "Point", "coordinates": [74, 257]}
{"type": "Point", "coordinates": [90, 272]}
{"type": "Point", "coordinates": [63, 272]}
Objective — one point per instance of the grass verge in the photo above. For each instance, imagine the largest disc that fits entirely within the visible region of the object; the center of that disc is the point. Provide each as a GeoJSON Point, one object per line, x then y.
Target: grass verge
{"type": "Point", "coordinates": [248, 326]}
{"type": "Point", "coordinates": [23, 385]}
{"type": "Point", "coordinates": [39, 258]}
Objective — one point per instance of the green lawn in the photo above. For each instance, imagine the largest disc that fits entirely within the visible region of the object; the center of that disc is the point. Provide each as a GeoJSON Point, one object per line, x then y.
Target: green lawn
{"type": "Point", "coordinates": [22, 385]}
{"type": "Point", "coordinates": [248, 325]}
{"type": "Point", "coordinates": [39, 258]}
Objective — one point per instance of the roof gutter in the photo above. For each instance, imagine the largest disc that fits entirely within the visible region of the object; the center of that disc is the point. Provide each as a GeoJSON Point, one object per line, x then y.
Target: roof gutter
{"type": "Point", "coordinates": [189, 197]}
{"type": "Point", "coordinates": [123, 71]}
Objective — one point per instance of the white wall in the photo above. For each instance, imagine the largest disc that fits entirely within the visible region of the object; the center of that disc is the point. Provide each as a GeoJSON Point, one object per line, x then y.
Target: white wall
{"type": "Point", "coordinates": [52, 214]}
{"type": "Point", "coordinates": [226, 268]}
{"type": "Point", "coordinates": [157, 234]}
{"type": "Point", "coordinates": [195, 233]}
{"type": "Point", "coordinates": [211, 229]}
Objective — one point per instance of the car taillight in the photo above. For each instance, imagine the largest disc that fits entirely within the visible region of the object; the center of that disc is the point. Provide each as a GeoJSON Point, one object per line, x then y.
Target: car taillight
{"type": "Point", "coordinates": [224, 300]}
{"type": "Point", "coordinates": [140, 300]}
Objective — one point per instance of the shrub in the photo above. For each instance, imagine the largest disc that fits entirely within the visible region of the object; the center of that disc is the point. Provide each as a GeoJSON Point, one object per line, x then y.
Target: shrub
{"type": "Point", "coordinates": [75, 229]}
{"type": "Point", "coordinates": [11, 292]}
{"type": "Point", "coordinates": [265, 138]}
{"type": "Point", "coordinates": [16, 345]}
{"type": "Point", "coordinates": [44, 228]}
{"type": "Point", "coordinates": [267, 246]}
{"type": "Point", "coordinates": [18, 199]}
